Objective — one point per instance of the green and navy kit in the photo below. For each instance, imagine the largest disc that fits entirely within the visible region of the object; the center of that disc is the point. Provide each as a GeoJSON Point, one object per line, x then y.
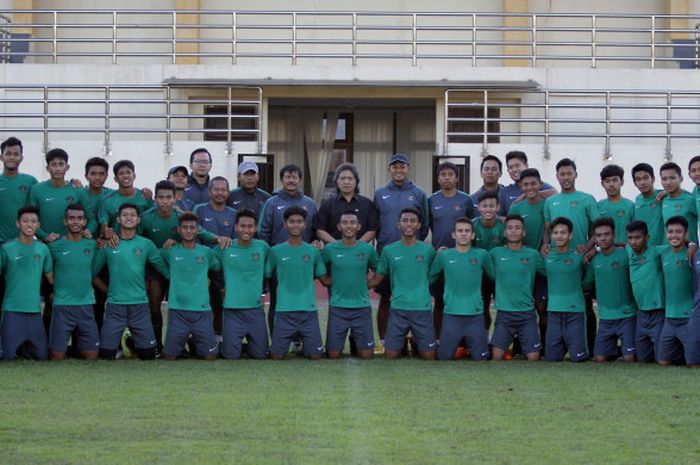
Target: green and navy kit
{"type": "Point", "coordinates": [515, 271]}
{"type": "Point", "coordinates": [348, 267]}
{"type": "Point", "coordinates": [648, 209]}
{"type": "Point", "coordinates": [408, 268]}
{"type": "Point", "coordinates": [109, 210]}
{"type": "Point", "coordinates": [647, 277]}
{"type": "Point", "coordinates": [14, 194]}
{"type": "Point", "coordinates": [52, 202]}
{"type": "Point", "coordinates": [158, 229]}
{"type": "Point", "coordinates": [678, 283]}
{"type": "Point", "coordinates": [189, 276]}
{"type": "Point", "coordinates": [23, 267]}
{"type": "Point", "coordinates": [622, 213]}
{"type": "Point", "coordinates": [565, 272]}
{"type": "Point", "coordinates": [612, 284]}
{"type": "Point", "coordinates": [682, 205]}
{"type": "Point", "coordinates": [579, 207]}
{"type": "Point", "coordinates": [463, 273]}
{"type": "Point", "coordinates": [488, 238]}
{"type": "Point", "coordinates": [73, 271]}
{"type": "Point", "coordinates": [244, 271]}
{"type": "Point", "coordinates": [296, 267]}
{"type": "Point", "coordinates": [533, 217]}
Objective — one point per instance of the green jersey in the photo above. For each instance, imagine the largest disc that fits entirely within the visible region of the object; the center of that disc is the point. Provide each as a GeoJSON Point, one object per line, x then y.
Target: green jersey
{"type": "Point", "coordinates": [408, 268]}
{"type": "Point", "coordinates": [515, 271]}
{"type": "Point", "coordinates": [127, 269]}
{"type": "Point", "coordinates": [23, 267]}
{"type": "Point", "coordinates": [73, 273]}
{"type": "Point", "coordinates": [52, 202]}
{"type": "Point", "coordinates": [158, 229]}
{"type": "Point", "coordinates": [533, 216]}
{"type": "Point", "coordinates": [348, 268]}
{"type": "Point", "coordinates": [244, 271]}
{"type": "Point", "coordinates": [14, 194]}
{"type": "Point", "coordinates": [488, 238]}
{"type": "Point", "coordinates": [647, 278]}
{"type": "Point", "coordinates": [295, 267]}
{"type": "Point", "coordinates": [622, 213]}
{"type": "Point", "coordinates": [649, 211]}
{"type": "Point", "coordinates": [565, 272]}
{"type": "Point", "coordinates": [612, 282]}
{"type": "Point", "coordinates": [579, 207]}
{"type": "Point", "coordinates": [95, 202]}
{"type": "Point", "coordinates": [683, 205]}
{"type": "Point", "coordinates": [462, 272]}
{"type": "Point", "coordinates": [112, 201]}
{"type": "Point", "coordinates": [189, 276]}
{"type": "Point", "coordinates": [678, 283]}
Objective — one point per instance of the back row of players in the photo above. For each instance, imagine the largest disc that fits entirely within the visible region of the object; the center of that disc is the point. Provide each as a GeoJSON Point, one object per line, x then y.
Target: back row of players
{"type": "Point", "coordinates": [504, 247]}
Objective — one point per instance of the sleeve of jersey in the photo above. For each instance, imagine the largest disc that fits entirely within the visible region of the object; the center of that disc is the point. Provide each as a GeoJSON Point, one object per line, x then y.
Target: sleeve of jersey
{"type": "Point", "coordinates": [34, 202]}
{"type": "Point", "coordinates": [435, 269]}
{"type": "Point", "coordinates": [547, 213]}
{"type": "Point", "coordinates": [487, 266]}
{"type": "Point", "coordinates": [156, 259]}
{"type": "Point", "coordinates": [593, 211]}
{"type": "Point", "coordinates": [98, 262]}
{"type": "Point", "coordinates": [373, 259]}
{"type": "Point", "coordinates": [214, 263]}
{"type": "Point", "coordinates": [270, 265]}
{"type": "Point", "coordinates": [91, 220]}
{"type": "Point", "coordinates": [589, 277]}
{"type": "Point", "coordinates": [541, 268]}
{"type": "Point", "coordinates": [383, 268]}
{"type": "Point", "coordinates": [48, 261]}
{"type": "Point", "coordinates": [319, 265]}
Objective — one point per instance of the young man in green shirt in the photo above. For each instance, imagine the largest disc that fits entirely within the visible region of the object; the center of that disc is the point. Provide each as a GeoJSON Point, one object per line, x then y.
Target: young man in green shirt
{"type": "Point", "coordinates": [14, 187]}
{"type": "Point", "coordinates": [678, 202]}
{"type": "Point", "coordinates": [188, 296]}
{"type": "Point", "coordinates": [694, 173]}
{"type": "Point", "coordinates": [72, 314]}
{"type": "Point", "coordinates": [566, 307]}
{"type": "Point", "coordinates": [647, 280]}
{"type": "Point", "coordinates": [647, 205]}
{"type": "Point", "coordinates": [609, 270]}
{"type": "Point", "coordinates": [406, 263]}
{"type": "Point", "coordinates": [96, 171]}
{"type": "Point", "coordinates": [124, 176]}
{"type": "Point", "coordinates": [348, 262]}
{"type": "Point", "coordinates": [25, 261]}
{"type": "Point", "coordinates": [243, 264]}
{"type": "Point", "coordinates": [463, 267]}
{"type": "Point", "coordinates": [675, 341]}
{"type": "Point", "coordinates": [127, 302]}
{"type": "Point", "coordinates": [620, 209]}
{"type": "Point", "coordinates": [515, 267]}
{"type": "Point", "coordinates": [488, 231]}
{"type": "Point", "coordinates": [295, 264]}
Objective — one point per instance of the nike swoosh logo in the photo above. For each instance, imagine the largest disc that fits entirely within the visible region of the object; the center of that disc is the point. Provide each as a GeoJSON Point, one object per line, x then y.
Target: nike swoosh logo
{"type": "Point", "coordinates": [384, 197]}
{"type": "Point", "coordinates": [280, 207]}
{"type": "Point", "coordinates": [65, 252]}
{"type": "Point", "coordinates": [236, 202]}
{"type": "Point", "coordinates": [208, 219]}
{"type": "Point", "coordinates": [179, 258]}
{"type": "Point", "coordinates": [49, 199]}
{"type": "Point", "coordinates": [284, 259]}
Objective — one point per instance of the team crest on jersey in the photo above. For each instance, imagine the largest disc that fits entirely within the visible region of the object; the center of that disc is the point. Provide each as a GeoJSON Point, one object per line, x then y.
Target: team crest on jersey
{"type": "Point", "coordinates": [37, 258]}
{"type": "Point", "coordinates": [420, 258]}
{"type": "Point", "coordinates": [642, 259]}
{"type": "Point", "coordinates": [199, 259]}
{"type": "Point", "coordinates": [23, 188]}
{"type": "Point", "coordinates": [458, 207]}
{"type": "Point", "coordinates": [524, 260]}
{"type": "Point", "coordinates": [87, 252]}
{"type": "Point", "coordinates": [306, 258]}
{"type": "Point", "coordinates": [138, 251]}
{"type": "Point", "coordinates": [680, 263]}
{"type": "Point", "coordinates": [69, 199]}
{"type": "Point", "coordinates": [360, 256]}
{"type": "Point", "coordinates": [411, 198]}
{"type": "Point", "coordinates": [615, 265]}
{"type": "Point", "coordinates": [678, 207]}
{"type": "Point", "coordinates": [574, 203]}
{"type": "Point", "coordinates": [653, 205]}
{"type": "Point", "coordinates": [255, 257]}
{"type": "Point", "coordinates": [472, 261]}
{"type": "Point", "coordinates": [620, 213]}
{"type": "Point", "coordinates": [227, 223]}
{"type": "Point", "coordinates": [568, 262]}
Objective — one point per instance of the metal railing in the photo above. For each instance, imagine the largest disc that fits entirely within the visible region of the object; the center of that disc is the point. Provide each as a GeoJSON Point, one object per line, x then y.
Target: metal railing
{"type": "Point", "coordinates": [5, 39]}
{"type": "Point", "coordinates": [546, 115]}
{"type": "Point", "coordinates": [228, 36]}
{"type": "Point", "coordinates": [130, 109]}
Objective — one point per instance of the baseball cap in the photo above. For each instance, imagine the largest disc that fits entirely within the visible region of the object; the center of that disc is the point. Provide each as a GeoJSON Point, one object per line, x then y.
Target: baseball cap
{"type": "Point", "coordinates": [247, 166]}
{"type": "Point", "coordinates": [399, 158]}
{"type": "Point", "coordinates": [175, 169]}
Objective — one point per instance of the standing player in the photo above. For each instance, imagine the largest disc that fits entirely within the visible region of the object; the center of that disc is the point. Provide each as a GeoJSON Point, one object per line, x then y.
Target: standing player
{"type": "Point", "coordinates": [295, 264]}
{"type": "Point", "coordinates": [678, 202]}
{"type": "Point", "coordinates": [348, 262]}
{"type": "Point", "coordinates": [96, 170]}
{"type": "Point", "coordinates": [462, 268]}
{"type": "Point", "coordinates": [609, 270]}
{"type": "Point", "coordinates": [516, 163]}
{"type": "Point", "coordinates": [124, 176]}
{"type": "Point", "coordinates": [694, 173]}
{"type": "Point", "coordinates": [248, 195]}
{"type": "Point", "coordinates": [197, 190]}
{"type": "Point", "coordinates": [647, 207]}
{"type": "Point", "coordinates": [127, 302]}
{"type": "Point", "coordinates": [14, 187]}
{"type": "Point", "coordinates": [620, 209]}
{"type": "Point", "coordinates": [188, 294]}
{"type": "Point", "coordinates": [243, 264]}
{"type": "Point", "coordinates": [73, 293]}
{"type": "Point", "coordinates": [647, 280]}
{"type": "Point", "coordinates": [25, 261]}
{"type": "Point", "coordinates": [566, 307]}
{"type": "Point", "coordinates": [446, 205]}
{"type": "Point", "coordinates": [407, 265]}
{"type": "Point", "coordinates": [178, 176]}
{"type": "Point", "coordinates": [489, 232]}
{"type": "Point", "coordinates": [675, 342]}
{"type": "Point", "coordinates": [515, 267]}
{"type": "Point", "coordinates": [491, 170]}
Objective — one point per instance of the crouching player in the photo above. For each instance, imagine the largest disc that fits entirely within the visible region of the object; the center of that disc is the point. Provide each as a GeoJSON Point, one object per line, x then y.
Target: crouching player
{"type": "Point", "coordinates": [25, 262]}
{"type": "Point", "coordinates": [295, 264]}
{"type": "Point", "coordinates": [73, 295]}
{"type": "Point", "coordinates": [127, 303]}
{"type": "Point", "coordinates": [189, 311]}
{"type": "Point", "coordinates": [348, 261]}
{"type": "Point", "coordinates": [463, 320]}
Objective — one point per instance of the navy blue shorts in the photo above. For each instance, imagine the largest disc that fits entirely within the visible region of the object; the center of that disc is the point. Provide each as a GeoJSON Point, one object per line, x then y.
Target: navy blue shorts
{"type": "Point", "coordinates": [75, 320]}
{"type": "Point", "coordinates": [341, 320]}
{"type": "Point", "coordinates": [290, 324]}
{"type": "Point", "coordinates": [610, 331]}
{"type": "Point", "coordinates": [648, 334]}
{"type": "Point", "coordinates": [674, 343]}
{"type": "Point", "coordinates": [467, 328]}
{"type": "Point", "coordinates": [26, 330]}
{"type": "Point", "coordinates": [136, 317]}
{"type": "Point", "coordinates": [244, 323]}
{"type": "Point", "coordinates": [692, 354]}
{"type": "Point", "coordinates": [566, 332]}
{"type": "Point", "coordinates": [419, 322]}
{"type": "Point", "coordinates": [521, 324]}
{"type": "Point", "coordinates": [182, 323]}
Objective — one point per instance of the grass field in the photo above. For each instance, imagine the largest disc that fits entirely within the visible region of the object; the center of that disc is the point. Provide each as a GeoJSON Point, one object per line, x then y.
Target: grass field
{"type": "Point", "coordinates": [347, 412]}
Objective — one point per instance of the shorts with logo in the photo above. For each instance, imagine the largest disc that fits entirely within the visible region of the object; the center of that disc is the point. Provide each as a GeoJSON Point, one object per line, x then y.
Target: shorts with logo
{"type": "Point", "coordinates": [136, 317]}
{"type": "Point", "coordinates": [290, 324]}
{"type": "Point", "coordinates": [610, 331]}
{"type": "Point", "coordinates": [246, 323]}
{"type": "Point", "coordinates": [566, 332]}
{"type": "Point", "coordinates": [19, 329]}
{"type": "Point", "coordinates": [182, 323]}
{"type": "Point", "coordinates": [508, 325]}
{"type": "Point", "coordinates": [341, 320]}
{"type": "Point", "coordinates": [692, 354]}
{"type": "Point", "coordinates": [419, 322]}
{"type": "Point", "coordinates": [75, 320]}
{"type": "Point", "coordinates": [648, 334]}
{"type": "Point", "coordinates": [467, 328]}
{"type": "Point", "coordinates": [674, 343]}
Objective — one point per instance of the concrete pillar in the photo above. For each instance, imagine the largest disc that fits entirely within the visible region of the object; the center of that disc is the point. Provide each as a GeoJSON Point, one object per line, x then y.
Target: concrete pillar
{"type": "Point", "coordinates": [185, 20]}
{"type": "Point", "coordinates": [516, 6]}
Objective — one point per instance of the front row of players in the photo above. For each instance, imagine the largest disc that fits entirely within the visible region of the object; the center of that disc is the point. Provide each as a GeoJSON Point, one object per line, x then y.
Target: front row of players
{"type": "Point", "coordinates": [645, 294]}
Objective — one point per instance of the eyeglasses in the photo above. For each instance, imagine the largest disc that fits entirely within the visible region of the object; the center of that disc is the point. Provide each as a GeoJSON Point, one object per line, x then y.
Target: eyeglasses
{"type": "Point", "coordinates": [201, 162]}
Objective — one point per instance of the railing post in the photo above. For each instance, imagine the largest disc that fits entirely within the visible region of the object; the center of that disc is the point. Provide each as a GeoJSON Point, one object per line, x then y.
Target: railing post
{"type": "Point", "coordinates": [447, 123]}
{"type": "Point", "coordinates": [414, 45]}
{"type": "Point", "coordinates": [174, 38]}
{"type": "Point", "coordinates": [593, 41]}
{"type": "Point", "coordinates": [168, 124]}
{"type": "Point", "coordinates": [55, 37]}
{"type": "Point", "coordinates": [46, 119]}
{"type": "Point", "coordinates": [354, 39]}
{"type": "Point", "coordinates": [107, 144]}
{"type": "Point", "coordinates": [607, 156]}
{"type": "Point", "coordinates": [474, 40]}
{"type": "Point", "coordinates": [668, 156]}
{"type": "Point", "coordinates": [696, 64]}
{"type": "Point", "coordinates": [546, 153]}
{"type": "Point", "coordinates": [260, 119]}
{"type": "Point", "coordinates": [485, 141]}
{"type": "Point", "coordinates": [653, 42]}
{"type": "Point", "coordinates": [114, 37]}
{"type": "Point", "coordinates": [534, 41]}
{"type": "Point", "coordinates": [229, 146]}
{"type": "Point", "coordinates": [294, 38]}
{"type": "Point", "coordinates": [234, 38]}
